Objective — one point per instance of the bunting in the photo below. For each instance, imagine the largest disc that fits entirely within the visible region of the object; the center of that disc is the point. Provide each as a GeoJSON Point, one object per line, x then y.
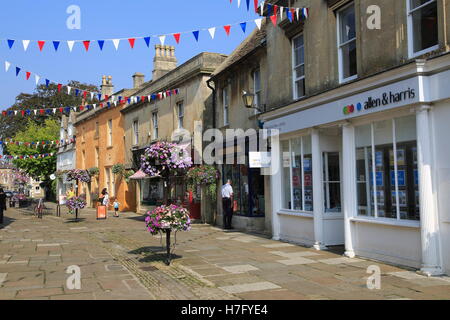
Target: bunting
{"type": "Point", "coordinates": [37, 144]}
{"type": "Point", "coordinates": [25, 157]}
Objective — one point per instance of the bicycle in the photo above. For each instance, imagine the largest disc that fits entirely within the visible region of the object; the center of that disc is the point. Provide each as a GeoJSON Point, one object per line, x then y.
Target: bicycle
{"type": "Point", "coordinates": [39, 209]}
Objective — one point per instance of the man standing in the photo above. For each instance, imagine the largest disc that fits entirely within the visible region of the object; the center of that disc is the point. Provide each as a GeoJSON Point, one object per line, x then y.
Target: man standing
{"type": "Point", "coordinates": [227, 200]}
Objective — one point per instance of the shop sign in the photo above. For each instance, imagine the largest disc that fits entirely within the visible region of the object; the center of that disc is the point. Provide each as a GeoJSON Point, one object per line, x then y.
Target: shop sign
{"type": "Point", "coordinates": [260, 159]}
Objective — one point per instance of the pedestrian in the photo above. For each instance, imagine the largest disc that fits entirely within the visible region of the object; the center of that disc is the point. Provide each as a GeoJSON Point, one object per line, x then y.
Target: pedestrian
{"type": "Point", "coordinates": [116, 208]}
{"type": "Point", "coordinates": [227, 200]}
{"type": "Point", "coordinates": [105, 199]}
{"type": "Point", "coordinates": [2, 204]}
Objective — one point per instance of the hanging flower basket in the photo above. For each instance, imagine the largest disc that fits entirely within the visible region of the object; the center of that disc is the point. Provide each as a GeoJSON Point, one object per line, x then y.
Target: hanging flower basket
{"type": "Point", "coordinates": [164, 159]}
{"type": "Point", "coordinates": [78, 175]}
{"type": "Point", "coordinates": [206, 176]}
{"type": "Point", "coordinates": [93, 172]}
{"type": "Point", "coordinates": [166, 219]}
{"type": "Point", "coordinates": [76, 203]}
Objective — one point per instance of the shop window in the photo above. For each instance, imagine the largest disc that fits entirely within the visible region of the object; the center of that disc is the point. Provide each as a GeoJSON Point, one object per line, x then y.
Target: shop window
{"type": "Point", "coordinates": [297, 174]}
{"type": "Point", "coordinates": [347, 43]}
{"type": "Point", "coordinates": [387, 172]}
{"type": "Point", "coordinates": [332, 182]}
{"type": "Point", "coordinates": [298, 72]}
{"type": "Point", "coordinates": [135, 132]}
{"type": "Point", "coordinates": [422, 26]}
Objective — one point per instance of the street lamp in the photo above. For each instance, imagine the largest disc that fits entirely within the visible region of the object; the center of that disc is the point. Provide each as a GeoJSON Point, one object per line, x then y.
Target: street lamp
{"type": "Point", "coordinates": [249, 99]}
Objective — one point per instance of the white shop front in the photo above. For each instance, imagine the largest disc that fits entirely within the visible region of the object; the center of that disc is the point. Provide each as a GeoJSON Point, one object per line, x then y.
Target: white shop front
{"type": "Point", "coordinates": [367, 166]}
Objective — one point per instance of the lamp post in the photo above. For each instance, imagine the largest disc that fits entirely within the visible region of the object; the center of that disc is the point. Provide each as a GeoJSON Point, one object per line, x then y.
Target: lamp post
{"type": "Point", "coordinates": [249, 100]}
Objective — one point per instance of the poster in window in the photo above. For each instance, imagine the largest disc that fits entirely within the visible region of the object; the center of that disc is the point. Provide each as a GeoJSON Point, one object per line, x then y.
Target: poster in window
{"type": "Point", "coordinates": [401, 160]}
{"type": "Point", "coordinates": [308, 180]}
{"type": "Point", "coordinates": [379, 177]}
{"type": "Point", "coordinates": [296, 179]}
{"type": "Point", "coordinates": [401, 178]}
{"type": "Point", "coordinates": [379, 159]}
{"type": "Point", "coordinates": [402, 199]}
{"type": "Point", "coordinates": [286, 160]}
{"type": "Point", "coordinates": [307, 164]}
{"type": "Point", "coordinates": [380, 197]}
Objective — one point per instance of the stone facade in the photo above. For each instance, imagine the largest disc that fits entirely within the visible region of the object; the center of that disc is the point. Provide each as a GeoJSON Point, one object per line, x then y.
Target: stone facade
{"type": "Point", "coordinates": [65, 155]}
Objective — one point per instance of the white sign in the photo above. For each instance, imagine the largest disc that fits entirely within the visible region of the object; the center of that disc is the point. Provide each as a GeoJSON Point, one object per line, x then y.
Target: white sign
{"type": "Point", "coordinates": [260, 159]}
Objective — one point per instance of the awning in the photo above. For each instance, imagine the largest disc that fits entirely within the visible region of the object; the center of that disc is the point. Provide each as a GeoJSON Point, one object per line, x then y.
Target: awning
{"type": "Point", "coordinates": [139, 175]}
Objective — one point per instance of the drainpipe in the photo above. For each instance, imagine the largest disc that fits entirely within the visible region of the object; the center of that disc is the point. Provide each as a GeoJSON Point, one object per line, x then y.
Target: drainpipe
{"type": "Point", "coordinates": [208, 83]}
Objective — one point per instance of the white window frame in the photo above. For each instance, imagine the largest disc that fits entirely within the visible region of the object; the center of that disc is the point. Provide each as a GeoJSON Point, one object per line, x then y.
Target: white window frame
{"type": "Point", "coordinates": [327, 182]}
{"type": "Point", "coordinates": [410, 12]}
{"type": "Point", "coordinates": [257, 92]}
{"type": "Point", "coordinates": [180, 114]}
{"type": "Point", "coordinates": [135, 132]}
{"type": "Point", "coordinates": [340, 45]}
{"type": "Point", "coordinates": [294, 78]}
{"type": "Point", "coordinates": [226, 105]}
{"type": "Point", "coordinates": [155, 124]}
{"type": "Point", "coordinates": [110, 132]}
{"type": "Point", "coordinates": [302, 172]}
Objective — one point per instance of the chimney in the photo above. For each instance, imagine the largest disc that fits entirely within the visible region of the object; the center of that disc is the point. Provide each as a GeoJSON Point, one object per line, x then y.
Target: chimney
{"type": "Point", "coordinates": [107, 87]}
{"type": "Point", "coordinates": [164, 61]}
{"type": "Point", "coordinates": [138, 80]}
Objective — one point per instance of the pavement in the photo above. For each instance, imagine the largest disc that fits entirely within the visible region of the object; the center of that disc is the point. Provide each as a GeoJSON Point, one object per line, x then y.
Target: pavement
{"type": "Point", "coordinates": [119, 260]}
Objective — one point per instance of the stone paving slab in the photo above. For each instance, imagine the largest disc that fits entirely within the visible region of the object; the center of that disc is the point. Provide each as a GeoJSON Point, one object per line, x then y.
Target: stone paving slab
{"type": "Point", "coordinates": [119, 260]}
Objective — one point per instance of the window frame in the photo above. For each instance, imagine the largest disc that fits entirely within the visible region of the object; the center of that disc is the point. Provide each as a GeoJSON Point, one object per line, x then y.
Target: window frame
{"type": "Point", "coordinates": [294, 78]}
{"type": "Point", "coordinates": [180, 115]}
{"type": "Point", "coordinates": [409, 14]}
{"type": "Point", "coordinates": [135, 132]}
{"type": "Point", "coordinates": [327, 182]}
{"type": "Point", "coordinates": [341, 45]}
{"type": "Point", "coordinates": [155, 124]}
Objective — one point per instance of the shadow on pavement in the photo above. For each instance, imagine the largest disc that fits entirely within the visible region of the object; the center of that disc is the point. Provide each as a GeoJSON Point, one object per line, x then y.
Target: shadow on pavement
{"type": "Point", "coordinates": [75, 221]}
{"type": "Point", "coordinates": [138, 218]}
{"type": "Point", "coordinates": [153, 254]}
{"type": "Point", "coordinates": [6, 221]}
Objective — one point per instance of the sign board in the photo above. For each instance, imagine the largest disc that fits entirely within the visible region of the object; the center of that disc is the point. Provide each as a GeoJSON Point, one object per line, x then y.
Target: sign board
{"type": "Point", "coordinates": [260, 159]}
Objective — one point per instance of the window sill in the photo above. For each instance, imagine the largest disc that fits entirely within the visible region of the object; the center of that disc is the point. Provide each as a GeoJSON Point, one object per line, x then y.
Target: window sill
{"type": "Point", "coordinates": [299, 214]}
{"type": "Point", "coordinates": [423, 52]}
{"type": "Point", "coordinates": [388, 222]}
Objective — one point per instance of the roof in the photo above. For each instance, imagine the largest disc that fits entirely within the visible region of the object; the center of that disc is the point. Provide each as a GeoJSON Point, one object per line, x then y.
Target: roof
{"type": "Point", "coordinates": [250, 44]}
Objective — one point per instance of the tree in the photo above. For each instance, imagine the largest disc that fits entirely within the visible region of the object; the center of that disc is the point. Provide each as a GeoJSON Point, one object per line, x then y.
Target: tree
{"type": "Point", "coordinates": [40, 168]}
{"type": "Point", "coordinates": [43, 97]}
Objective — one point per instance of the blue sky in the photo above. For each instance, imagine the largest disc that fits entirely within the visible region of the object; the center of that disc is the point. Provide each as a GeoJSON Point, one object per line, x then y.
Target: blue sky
{"type": "Point", "coordinates": [108, 19]}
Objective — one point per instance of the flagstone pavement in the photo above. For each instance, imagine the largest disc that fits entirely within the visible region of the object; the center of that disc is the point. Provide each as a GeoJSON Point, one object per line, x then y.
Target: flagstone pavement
{"type": "Point", "coordinates": [118, 259]}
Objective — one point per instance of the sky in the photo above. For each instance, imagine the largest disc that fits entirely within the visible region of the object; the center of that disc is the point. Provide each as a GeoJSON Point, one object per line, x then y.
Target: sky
{"type": "Point", "coordinates": [108, 19]}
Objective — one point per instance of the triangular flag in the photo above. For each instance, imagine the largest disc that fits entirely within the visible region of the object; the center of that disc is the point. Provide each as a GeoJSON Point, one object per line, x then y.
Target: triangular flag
{"type": "Point", "coordinates": [177, 37]}
{"type": "Point", "coordinates": [273, 18]}
{"type": "Point", "coordinates": [56, 45]}
{"type": "Point", "coordinates": [41, 45]}
{"type": "Point", "coordinates": [162, 39]}
{"type": "Point", "coordinates": [37, 78]}
{"type": "Point", "coordinates": [196, 34]}
{"type": "Point", "coordinates": [243, 26]}
{"type": "Point", "coordinates": [17, 71]}
{"type": "Point", "coordinates": [92, 96]}
{"type": "Point", "coordinates": [297, 11]}
{"type": "Point", "coordinates": [47, 82]}
{"type": "Point", "coordinates": [131, 41]}
{"type": "Point", "coordinates": [258, 23]}
{"type": "Point", "coordinates": [7, 65]}
{"type": "Point", "coordinates": [227, 29]}
{"type": "Point", "coordinates": [59, 87]}
{"type": "Point", "coordinates": [27, 75]}
{"type": "Point", "coordinates": [262, 8]}
{"type": "Point", "coordinates": [212, 32]}
{"type": "Point", "coordinates": [305, 12]}
{"type": "Point", "coordinates": [116, 43]}
{"type": "Point", "coordinates": [68, 89]}
{"type": "Point", "coordinates": [255, 3]}
{"type": "Point", "coordinates": [147, 41]}
{"type": "Point", "coordinates": [25, 44]}
{"type": "Point", "coordinates": [248, 5]}
{"type": "Point", "coordinates": [10, 43]}
{"type": "Point", "coordinates": [70, 44]}
{"type": "Point", "coordinates": [239, 3]}
{"type": "Point", "coordinates": [101, 44]}
{"type": "Point", "coordinates": [86, 44]}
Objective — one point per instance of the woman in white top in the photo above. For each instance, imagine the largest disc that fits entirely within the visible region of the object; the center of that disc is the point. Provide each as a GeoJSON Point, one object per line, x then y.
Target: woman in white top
{"type": "Point", "coordinates": [105, 197]}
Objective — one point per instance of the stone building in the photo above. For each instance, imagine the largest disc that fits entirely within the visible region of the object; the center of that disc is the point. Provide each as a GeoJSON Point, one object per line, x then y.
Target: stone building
{"type": "Point", "coordinates": [147, 122]}
{"type": "Point", "coordinates": [243, 71]}
{"type": "Point", "coordinates": [100, 144]}
{"type": "Point", "coordinates": [65, 157]}
{"type": "Point", "coordinates": [362, 114]}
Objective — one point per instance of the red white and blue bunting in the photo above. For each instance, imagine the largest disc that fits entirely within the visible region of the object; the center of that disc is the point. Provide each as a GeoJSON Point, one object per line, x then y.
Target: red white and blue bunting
{"type": "Point", "coordinates": [273, 10]}
{"type": "Point", "coordinates": [37, 144]}
{"type": "Point", "coordinates": [36, 156]}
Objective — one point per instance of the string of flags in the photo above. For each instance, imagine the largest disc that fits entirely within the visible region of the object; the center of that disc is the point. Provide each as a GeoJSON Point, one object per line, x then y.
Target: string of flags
{"type": "Point", "coordinates": [36, 144]}
{"type": "Point", "coordinates": [274, 10]}
{"type": "Point", "coordinates": [36, 156]}
{"type": "Point", "coordinates": [113, 102]}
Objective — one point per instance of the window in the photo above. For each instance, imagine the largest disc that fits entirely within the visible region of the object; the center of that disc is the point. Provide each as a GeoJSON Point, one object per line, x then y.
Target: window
{"type": "Point", "coordinates": [180, 114]}
{"type": "Point", "coordinates": [347, 43]}
{"type": "Point", "coordinates": [135, 132]}
{"type": "Point", "coordinates": [297, 174]}
{"type": "Point", "coordinates": [387, 172]}
{"type": "Point", "coordinates": [155, 124]}
{"type": "Point", "coordinates": [110, 133]}
{"type": "Point", "coordinates": [257, 88]}
{"type": "Point", "coordinates": [97, 154]}
{"type": "Point", "coordinates": [422, 26]}
{"type": "Point", "coordinates": [70, 130]}
{"type": "Point", "coordinates": [298, 55]}
{"type": "Point", "coordinates": [226, 105]}
{"type": "Point", "coordinates": [332, 182]}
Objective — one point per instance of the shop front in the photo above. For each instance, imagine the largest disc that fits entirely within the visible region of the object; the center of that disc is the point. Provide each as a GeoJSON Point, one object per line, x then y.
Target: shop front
{"type": "Point", "coordinates": [366, 166]}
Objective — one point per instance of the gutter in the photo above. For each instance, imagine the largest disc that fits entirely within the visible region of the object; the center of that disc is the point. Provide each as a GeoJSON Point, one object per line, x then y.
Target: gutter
{"type": "Point", "coordinates": [208, 83]}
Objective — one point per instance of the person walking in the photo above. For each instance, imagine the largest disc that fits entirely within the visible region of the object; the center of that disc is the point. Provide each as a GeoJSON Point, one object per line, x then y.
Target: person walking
{"type": "Point", "coordinates": [105, 194]}
{"type": "Point", "coordinates": [2, 204]}
{"type": "Point", "coordinates": [227, 200]}
{"type": "Point", "coordinates": [116, 208]}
